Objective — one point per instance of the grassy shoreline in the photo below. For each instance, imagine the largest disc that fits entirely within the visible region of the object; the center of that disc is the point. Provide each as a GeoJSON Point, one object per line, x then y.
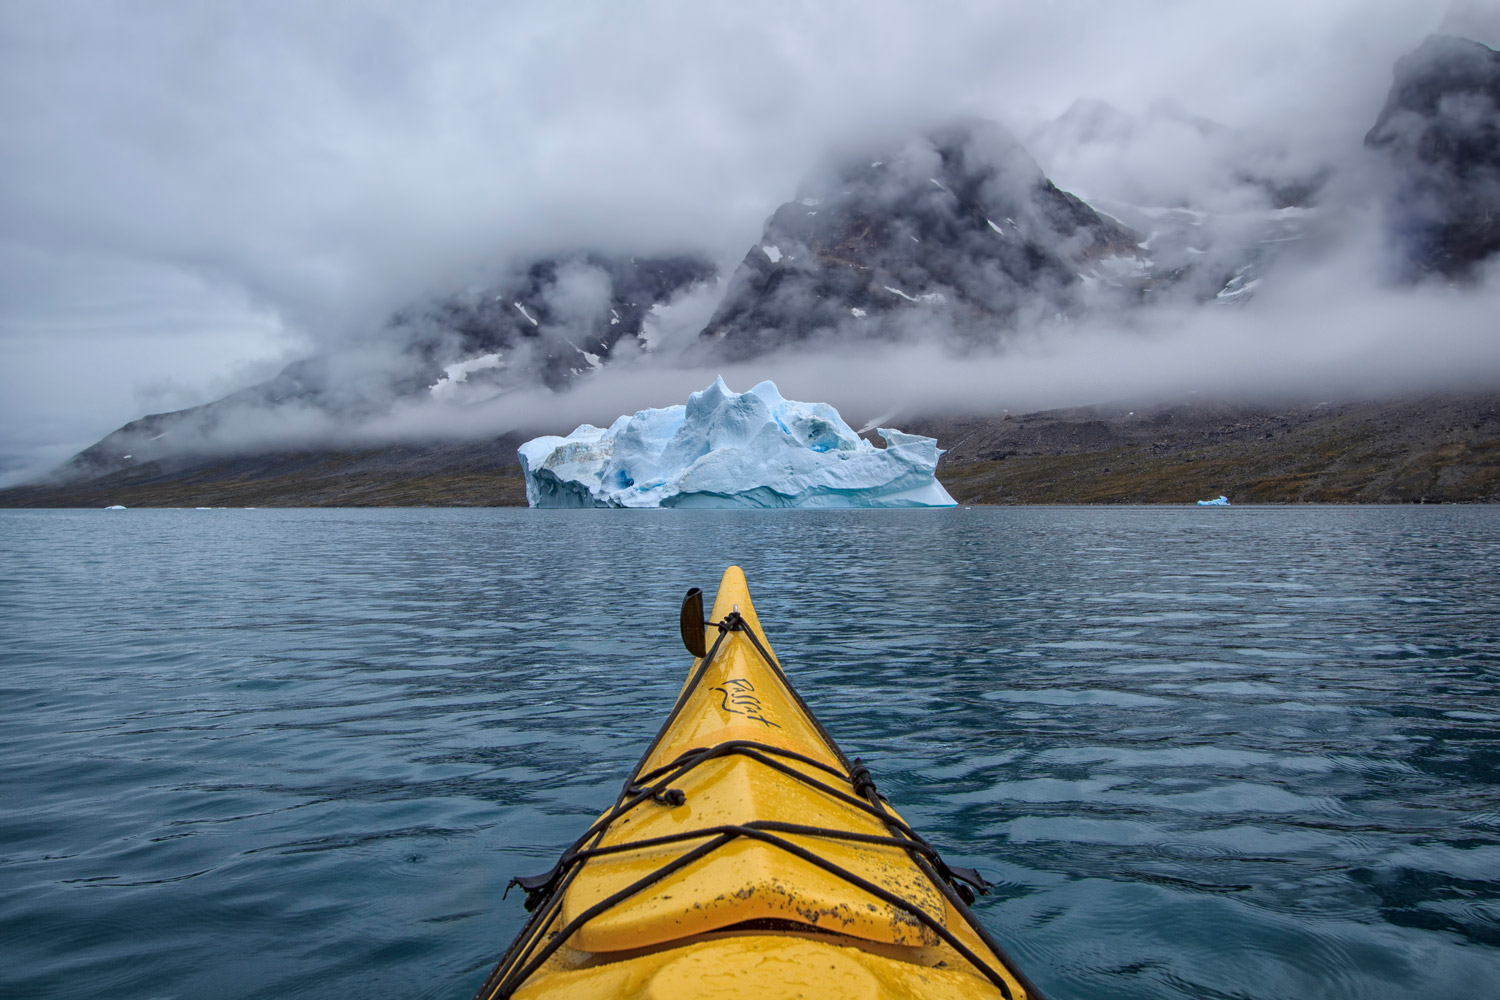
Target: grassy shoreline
{"type": "Point", "coordinates": [1433, 450]}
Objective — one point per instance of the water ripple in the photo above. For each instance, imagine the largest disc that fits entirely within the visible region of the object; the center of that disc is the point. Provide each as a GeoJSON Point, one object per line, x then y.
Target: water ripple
{"type": "Point", "coordinates": [301, 752]}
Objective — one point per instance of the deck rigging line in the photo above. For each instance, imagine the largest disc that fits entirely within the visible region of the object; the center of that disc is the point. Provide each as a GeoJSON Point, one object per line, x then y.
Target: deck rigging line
{"type": "Point", "coordinates": [545, 892]}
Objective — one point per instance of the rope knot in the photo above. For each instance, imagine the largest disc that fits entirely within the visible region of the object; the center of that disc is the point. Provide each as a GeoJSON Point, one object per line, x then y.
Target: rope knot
{"type": "Point", "coordinates": [861, 779]}
{"type": "Point", "coordinates": [669, 797]}
{"type": "Point", "coordinates": [661, 796]}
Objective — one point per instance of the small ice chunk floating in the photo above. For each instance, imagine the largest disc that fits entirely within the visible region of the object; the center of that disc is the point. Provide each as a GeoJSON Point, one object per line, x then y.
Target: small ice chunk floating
{"type": "Point", "coordinates": [732, 449]}
{"type": "Point", "coordinates": [1219, 501]}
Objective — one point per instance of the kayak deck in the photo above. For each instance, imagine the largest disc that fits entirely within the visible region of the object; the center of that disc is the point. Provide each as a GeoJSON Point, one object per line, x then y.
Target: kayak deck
{"type": "Point", "coordinates": [747, 856]}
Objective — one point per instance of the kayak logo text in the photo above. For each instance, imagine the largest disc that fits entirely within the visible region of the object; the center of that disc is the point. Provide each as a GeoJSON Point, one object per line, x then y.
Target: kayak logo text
{"type": "Point", "coordinates": [739, 699]}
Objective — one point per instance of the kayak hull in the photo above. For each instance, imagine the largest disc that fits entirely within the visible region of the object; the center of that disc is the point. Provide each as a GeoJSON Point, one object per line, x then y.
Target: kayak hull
{"type": "Point", "coordinates": [758, 967]}
{"type": "Point", "coordinates": [747, 857]}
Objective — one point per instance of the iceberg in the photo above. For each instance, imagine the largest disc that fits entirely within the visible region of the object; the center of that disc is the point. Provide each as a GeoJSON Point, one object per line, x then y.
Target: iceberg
{"type": "Point", "coordinates": [1219, 501]}
{"type": "Point", "coordinates": [732, 449]}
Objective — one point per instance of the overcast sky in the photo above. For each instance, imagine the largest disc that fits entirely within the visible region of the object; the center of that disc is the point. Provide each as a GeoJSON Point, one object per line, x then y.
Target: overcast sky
{"type": "Point", "coordinates": [194, 192]}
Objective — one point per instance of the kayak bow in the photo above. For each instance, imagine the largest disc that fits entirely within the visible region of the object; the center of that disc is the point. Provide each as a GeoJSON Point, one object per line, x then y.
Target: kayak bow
{"type": "Point", "coordinates": [746, 856]}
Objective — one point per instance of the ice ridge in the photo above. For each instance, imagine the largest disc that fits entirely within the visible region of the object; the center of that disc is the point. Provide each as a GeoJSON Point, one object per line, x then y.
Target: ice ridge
{"type": "Point", "coordinates": [732, 449]}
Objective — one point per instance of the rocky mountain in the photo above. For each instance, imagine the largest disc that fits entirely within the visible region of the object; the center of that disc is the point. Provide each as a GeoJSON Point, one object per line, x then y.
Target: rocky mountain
{"type": "Point", "coordinates": [551, 321]}
{"type": "Point", "coordinates": [955, 232]}
{"type": "Point", "coordinates": [957, 236]}
{"type": "Point", "coordinates": [1216, 205]}
{"type": "Point", "coordinates": [544, 323]}
{"type": "Point", "coordinates": [1440, 130]}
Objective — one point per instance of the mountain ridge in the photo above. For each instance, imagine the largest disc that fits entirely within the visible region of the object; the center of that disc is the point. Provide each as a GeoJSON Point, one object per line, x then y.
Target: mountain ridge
{"type": "Point", "coordinates": [855, 258]}
{"type": "Point", "coordinates": [955, 237]}
{"type": "Point", "coordinates": [1440, 128]}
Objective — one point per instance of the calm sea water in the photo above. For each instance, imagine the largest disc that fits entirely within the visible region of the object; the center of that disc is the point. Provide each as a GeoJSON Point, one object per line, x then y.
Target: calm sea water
{"type": "Point", "coordinates": [1246, 753]}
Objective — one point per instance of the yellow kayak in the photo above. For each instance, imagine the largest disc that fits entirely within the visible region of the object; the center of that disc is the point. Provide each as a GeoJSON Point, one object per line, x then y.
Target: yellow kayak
{"type": "Point", "coordinates": [748, 858]}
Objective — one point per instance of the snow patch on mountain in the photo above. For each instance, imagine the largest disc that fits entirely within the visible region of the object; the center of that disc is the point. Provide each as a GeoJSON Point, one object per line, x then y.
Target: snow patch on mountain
{"type": "Point", "coordinates": [456, 374]}
{"type": "Point", "coordinates": [935, 298]}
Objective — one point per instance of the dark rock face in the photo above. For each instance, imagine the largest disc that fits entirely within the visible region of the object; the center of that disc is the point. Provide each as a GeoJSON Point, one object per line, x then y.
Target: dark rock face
{"type": "Point", "coordinates": [961, 224]}
{"type": "Point", "coordinates": [1441, 129]}
{"type": "Point", "coordinates": [552, 316]}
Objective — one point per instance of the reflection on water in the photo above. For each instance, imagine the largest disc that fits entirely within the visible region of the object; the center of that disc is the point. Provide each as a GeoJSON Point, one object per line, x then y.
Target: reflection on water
{"type": "Point", "coordinates": [1248, 752]}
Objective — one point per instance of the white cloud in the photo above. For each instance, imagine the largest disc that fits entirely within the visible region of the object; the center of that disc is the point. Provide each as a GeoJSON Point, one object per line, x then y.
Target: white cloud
{"type": "Point", "coordinates": [313, 166]}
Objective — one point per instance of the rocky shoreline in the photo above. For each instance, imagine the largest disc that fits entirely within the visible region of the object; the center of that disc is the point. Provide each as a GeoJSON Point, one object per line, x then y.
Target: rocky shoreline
{"type": "Point", "coordinates": [1441, 449]}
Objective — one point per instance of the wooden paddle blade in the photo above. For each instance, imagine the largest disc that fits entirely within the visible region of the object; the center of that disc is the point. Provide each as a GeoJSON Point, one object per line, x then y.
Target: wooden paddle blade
{"type": "Point", "coordinates": [693, 636]}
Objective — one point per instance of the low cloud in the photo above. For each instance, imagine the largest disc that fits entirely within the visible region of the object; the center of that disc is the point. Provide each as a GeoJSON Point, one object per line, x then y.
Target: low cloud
{"type": "Point", "coordinates": [1295, 341]}
{"type": "Point", "coordinates": [317, 167]}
